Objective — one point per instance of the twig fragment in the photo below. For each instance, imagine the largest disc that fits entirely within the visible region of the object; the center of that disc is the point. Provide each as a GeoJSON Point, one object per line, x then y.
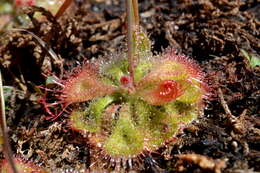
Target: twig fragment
{"type": "Point", "coordinates": [238, 124]}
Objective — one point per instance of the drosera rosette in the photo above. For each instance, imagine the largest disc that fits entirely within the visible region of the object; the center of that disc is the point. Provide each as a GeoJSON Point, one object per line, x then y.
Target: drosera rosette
{"type": "Point", "coordinates": [22, 166]}
{"type": "Point", "coordinates": [126, 115]}
{"type": "Point", "coordinates": [133, 103]}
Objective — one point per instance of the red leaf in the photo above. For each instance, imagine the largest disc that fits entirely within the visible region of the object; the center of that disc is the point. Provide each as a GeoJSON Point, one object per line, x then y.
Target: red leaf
{"type": "Point", "coordinates": [85, 86]}
{"type": "Point", "coordinates": [166, 91]}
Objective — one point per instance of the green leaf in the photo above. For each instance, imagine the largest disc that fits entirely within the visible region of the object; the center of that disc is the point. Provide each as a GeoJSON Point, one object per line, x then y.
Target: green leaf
{"type": "Point", "coordinates": [142, 44]}
{"type": "Point", "coordinates": [253, 59]}
{"type": "Point", "coordinates": [115, 70]}
{"type": "Point", "coordinates": [142, 69]}
{"type": "Point", "coordinates": [90, 119]}
{"type": "Point", "coordinates": [126, 139]}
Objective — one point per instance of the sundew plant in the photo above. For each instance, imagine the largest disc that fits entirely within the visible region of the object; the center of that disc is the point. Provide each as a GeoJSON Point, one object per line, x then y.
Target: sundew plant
{"type": "Point", "coordinates": [133, 102]}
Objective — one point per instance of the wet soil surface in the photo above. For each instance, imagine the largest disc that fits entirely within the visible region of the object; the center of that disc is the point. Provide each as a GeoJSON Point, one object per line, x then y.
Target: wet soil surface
{"type": "Point", "coordinates": [213, 32]}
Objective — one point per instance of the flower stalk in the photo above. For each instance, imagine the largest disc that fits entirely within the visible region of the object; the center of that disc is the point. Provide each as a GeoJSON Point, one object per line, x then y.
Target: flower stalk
{"type": "Point", "coordinates": [136, 12]}
{"type": "Point", "coordinates": [6, 144]}
{"type": "Point", "coordinates": [131, 25]}
{"type": "Point", "coordinates": [63, 8]}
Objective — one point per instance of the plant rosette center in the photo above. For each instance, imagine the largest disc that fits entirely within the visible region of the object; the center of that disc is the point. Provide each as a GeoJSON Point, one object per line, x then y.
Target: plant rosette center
{"type": "Point", "coordinates": [127, 114]}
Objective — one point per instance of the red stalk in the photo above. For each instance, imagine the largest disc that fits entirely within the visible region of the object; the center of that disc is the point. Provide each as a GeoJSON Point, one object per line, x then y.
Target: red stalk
{"type": "Point", "coordinates": [63, 8]}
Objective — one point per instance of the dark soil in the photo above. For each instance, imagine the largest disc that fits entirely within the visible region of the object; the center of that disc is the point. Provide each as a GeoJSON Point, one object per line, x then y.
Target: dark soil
{"type": "Point", "coordinates": [213, 32]}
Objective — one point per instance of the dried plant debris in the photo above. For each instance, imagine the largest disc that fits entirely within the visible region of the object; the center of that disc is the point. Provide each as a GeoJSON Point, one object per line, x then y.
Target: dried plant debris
{"type": "Point", "coordinates": [22, 166]}
{"type": "Point", "coordinates": [203, 28]}
{"type": "Point", "coordinates": [204, 162]}
{"type": "Point", "coordinates": [211, 31]}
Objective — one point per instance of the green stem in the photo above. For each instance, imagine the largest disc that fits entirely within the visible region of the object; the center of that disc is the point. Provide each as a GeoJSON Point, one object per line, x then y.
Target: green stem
{"type": "Point", "coordinates": [7, 147]}
{"type": "Point", "coordinates": [132, 25]}
{"type": "Point", "coordinates": [130, 39]}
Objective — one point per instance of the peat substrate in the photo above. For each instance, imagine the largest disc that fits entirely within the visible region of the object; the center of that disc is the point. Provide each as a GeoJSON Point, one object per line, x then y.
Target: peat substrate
{"type": "Point", "coordinates": [225, 138]}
